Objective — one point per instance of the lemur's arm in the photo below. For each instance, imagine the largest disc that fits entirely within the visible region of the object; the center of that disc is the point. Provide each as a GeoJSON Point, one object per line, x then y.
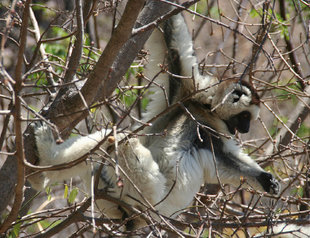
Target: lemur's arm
{"type": "Point", "coordinates": [181, 48]}
{"type": "Point", "coordinates": [183, 61]}
{"type": "Point", "coordinates": [173, 47]}
{"type": "Point", "coordinates": [236, 170]}
{"type": "Point", "coordinates": [159, 98]}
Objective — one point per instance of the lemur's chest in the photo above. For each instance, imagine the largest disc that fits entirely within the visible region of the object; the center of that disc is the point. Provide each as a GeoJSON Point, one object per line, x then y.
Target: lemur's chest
{"type": "Point", "coordinates": [176, 152]}
{"type": "Point", "coordinates": [182, 159]}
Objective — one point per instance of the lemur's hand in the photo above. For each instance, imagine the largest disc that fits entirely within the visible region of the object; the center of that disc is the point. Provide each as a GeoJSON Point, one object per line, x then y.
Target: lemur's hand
{"type": "Point", "coordinates": [269, 183]}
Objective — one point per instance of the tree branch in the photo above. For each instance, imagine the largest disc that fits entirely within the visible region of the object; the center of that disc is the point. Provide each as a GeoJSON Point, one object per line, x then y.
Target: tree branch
{"type": "Point", "coordinates": [78, 45]}
{"type": "Point", "coordinates": [299, 114]}
{"type": "Point", "coordinates": [19, 154]}
{"type": "Point", "coordinates": [71, 102]}
{"type": "Point", "coordinates": [72, 218]}
{"type": "Point", "coordinates": [290, 48]}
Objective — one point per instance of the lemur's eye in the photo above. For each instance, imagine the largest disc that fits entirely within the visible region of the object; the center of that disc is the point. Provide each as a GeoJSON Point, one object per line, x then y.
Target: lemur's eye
{"type": "Point", "coordinates": [207, 106]}
{"type": "Point", "coordinates": [237, 95]}
{"type": "Point", "coordinates": [236, 99]}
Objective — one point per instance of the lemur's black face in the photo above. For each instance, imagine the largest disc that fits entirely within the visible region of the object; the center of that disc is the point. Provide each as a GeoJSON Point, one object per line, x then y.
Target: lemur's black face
{"type": "Point", "coordinates": [239, 122]}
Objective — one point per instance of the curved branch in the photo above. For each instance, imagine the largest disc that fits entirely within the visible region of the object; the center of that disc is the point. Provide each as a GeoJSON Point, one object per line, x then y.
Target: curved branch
{"type": "Point", "coordinates": [72, 218]}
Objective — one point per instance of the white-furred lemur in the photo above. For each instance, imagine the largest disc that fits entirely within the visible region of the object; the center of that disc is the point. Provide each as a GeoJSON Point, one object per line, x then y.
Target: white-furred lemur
{"type": "Point", "coordinates": [198, 146]}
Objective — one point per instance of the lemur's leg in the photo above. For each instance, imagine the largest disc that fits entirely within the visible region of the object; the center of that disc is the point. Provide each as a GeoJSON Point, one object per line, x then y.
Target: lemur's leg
{"type": "Point", "coordinates": [50, 153]}
{"type": "Point", "coordinates": [135, 159]}
{"type": "Point", "coordinates": [143, 183]}
{"type": "Point", "coordinates": [143, 172]}
{"type": "Point", "coordinates": [142, 180]}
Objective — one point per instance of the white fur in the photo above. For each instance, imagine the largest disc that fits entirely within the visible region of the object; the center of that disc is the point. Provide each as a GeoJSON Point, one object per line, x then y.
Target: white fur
{"type": "Point", "coordinates": [160, 88]}
{"type": "Point", "coordinates": [224, 105]}
{"type": "Point", "coordinates": [225, 174]}
{"type": "Point", "coordinates": [187, 170]}
{"type": "Point", "coordinates": [170, 167]}
{"type": "Point", "coordinates": [51, 153]}
{"type": "Point", "coordinates": [189, 65]}
{"type": "Point", "coordinates": [156, 46]}
{"type": "Point", "coordinates": [184, 45]}
{"type": "Point", "coordinates": [134, 159]}
{"type": "Point", "coordinates": [291, 231]}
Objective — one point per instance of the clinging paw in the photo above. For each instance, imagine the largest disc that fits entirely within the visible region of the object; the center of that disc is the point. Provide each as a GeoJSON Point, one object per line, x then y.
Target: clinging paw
{"type": "Point", "coordinates": [43, 133]}
{"type": "Point", "coordinates": [269, 183]}
{"type": "Point", "coordinates": [45, 142]}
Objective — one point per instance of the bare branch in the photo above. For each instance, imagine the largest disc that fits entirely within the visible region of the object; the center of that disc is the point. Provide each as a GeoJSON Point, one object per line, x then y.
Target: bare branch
{"type": "Point", "coordinates": [290, 48]}
{"type": "Point", "coordinates": [78, 45]}
{"type": "Point", "coordinates": [19, 189]}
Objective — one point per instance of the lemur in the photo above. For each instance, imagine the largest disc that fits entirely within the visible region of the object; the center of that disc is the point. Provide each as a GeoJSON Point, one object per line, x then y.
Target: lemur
{"type": "Point", "coordinates": [198, 147]}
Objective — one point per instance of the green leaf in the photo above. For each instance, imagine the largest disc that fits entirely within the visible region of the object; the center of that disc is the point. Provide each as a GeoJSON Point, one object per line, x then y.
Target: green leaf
{"type": "Point", "coordinates": [66, 191]}
{"type": "Point", "coordinates": [144, 103]}
{"type": "Point", "coordinates": [48, 191]}
{"type": "Point", "coordinates": [215, 12]}
{"type": "Point", "coordinates": [284, 32]}
{"type": "Point", "coordinates": [199, 7]}
{"type": "Point", "coordinates": [254, 13]}
{"type": "Point", "coordinates": [59, 32]}
{"type": "Point", "coordinates": [16, 230]}
{"type": "Point", "coordinates": [47, 224]}
{"type": "Point", "coordinates": [73, 195]}
{"type": "Point", "coordinates": [130, 97]}
{"type": "Point", "coordinates": [275, 126]}
{"type": "Point", "coordinates": [299, 191]}
{"type": "Point", "coordinates": [303, 131]}
{"type": "Point", "coordinates": [59, 50]}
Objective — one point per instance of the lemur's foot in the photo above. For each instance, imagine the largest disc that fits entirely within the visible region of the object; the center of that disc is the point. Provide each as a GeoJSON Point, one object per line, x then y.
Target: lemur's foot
{"type": "Point", "coordinates": [44, 142]}
{"type": "Point", "coordinates": [43, 133]}
{"type": "Point", "coordinates": [135, 153]}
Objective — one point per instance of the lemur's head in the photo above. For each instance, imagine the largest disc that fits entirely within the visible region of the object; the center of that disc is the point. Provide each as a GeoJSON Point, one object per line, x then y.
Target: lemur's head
{"type": "Point", "coordinates": [227, 106]}
{"type": "Point", "coordinates": [236, 103]}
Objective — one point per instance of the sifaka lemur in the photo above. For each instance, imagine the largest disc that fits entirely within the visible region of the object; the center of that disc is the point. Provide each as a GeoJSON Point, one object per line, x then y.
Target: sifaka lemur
{"type": "Point", "coordinates": [198, 145]}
